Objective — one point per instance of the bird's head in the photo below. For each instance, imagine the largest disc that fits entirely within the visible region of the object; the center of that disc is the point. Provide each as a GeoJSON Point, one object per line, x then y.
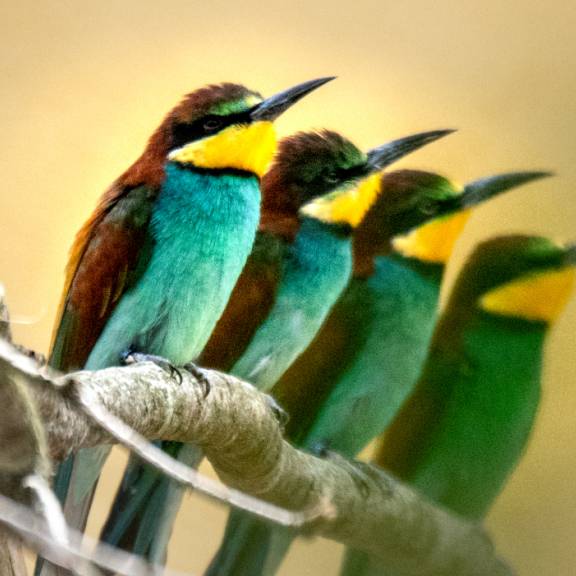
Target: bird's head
{"type": "Point", "coordinates": [524, 277]}
{"type": "Point", "coordinates": [324, 176]}
{"type": "Point", "coordinates": [420, 215]}
{"type": "Point", "coordinates": [228, 127]}
{"type": "Point", "coordinates": [218, 127]}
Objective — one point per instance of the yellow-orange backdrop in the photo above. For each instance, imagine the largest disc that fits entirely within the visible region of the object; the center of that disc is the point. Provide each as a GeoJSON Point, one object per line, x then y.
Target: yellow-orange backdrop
{"type": "Point", "coordinates": [84, 83]}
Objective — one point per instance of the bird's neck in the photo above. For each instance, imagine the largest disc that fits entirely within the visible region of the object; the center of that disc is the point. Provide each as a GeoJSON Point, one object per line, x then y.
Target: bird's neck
{"type": "Point", "coordinates": [428, 272]}
{"type": "Point", "coordinates": [315, 270]}
{"type": "Point", "coordinates": [323, 247]}
{"type": "Point", "coordinates": [505, 348]}
{"type": "Point", "coordinates": [202, 198]}
{"type": "Point", "coordinates": [366, 257]}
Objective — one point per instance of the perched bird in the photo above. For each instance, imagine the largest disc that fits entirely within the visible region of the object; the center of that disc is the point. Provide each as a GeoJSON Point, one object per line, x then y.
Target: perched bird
{"type": "Point", "coordinates": [465, 426]}
{"type": "Point", "coordinates": [348, 385]}
{"type": "Point", "coordinates": [380, 329]}
{"type": "Point", "coordinates": [152, 269]}
{"type": "Point", "coordinates": [316, 262]}
{"type": "Point", "coordinates": [315, 194]}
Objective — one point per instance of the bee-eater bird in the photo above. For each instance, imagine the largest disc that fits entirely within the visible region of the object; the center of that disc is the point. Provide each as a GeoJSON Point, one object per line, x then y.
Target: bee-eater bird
{"type": "Point", "coordinates": [388, 312]}
{"type": "Point", "coordinates": [465, 426]}
{"type": "Point", "coordinates": [350, 382]}
{"type": "Point", "coordinates": [152, 269]}
{"type": "Point", "coordinates": [315, 194]}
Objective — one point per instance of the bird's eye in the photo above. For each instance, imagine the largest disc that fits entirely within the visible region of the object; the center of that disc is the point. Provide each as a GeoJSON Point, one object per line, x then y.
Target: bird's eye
{"type": "Point", "coordinates": [331, 178]}
{"type": "Point", "coordinates": [428, 207]}
{"type": "Point", "coordinates": [212, 124]}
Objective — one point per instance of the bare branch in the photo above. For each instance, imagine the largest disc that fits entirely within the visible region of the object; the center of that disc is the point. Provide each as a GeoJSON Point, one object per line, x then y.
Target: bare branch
{"type": "Point", "coordinates": [237, 429]}
{"type": "Point", "coordinates": [78, 552]}
{"type": "Point", "coordinates": [23, 450]}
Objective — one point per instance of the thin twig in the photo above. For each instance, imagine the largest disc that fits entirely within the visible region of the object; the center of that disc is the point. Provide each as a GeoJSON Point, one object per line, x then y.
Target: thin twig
{"type": "Point", "coordinates": [74, 554]}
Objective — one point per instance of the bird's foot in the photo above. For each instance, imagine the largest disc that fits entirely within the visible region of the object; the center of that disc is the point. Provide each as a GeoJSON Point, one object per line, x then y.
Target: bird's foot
{"type": "Point", "coordinates": [200, 376]}
{"type": "Point", "coordinates": [130, 357]}
{"type": "Point", "coordinates": [321, 448]}
{"type": "Point", "coordinates": [358, 470]}
{"type": "Point", "coordinates": [280, 414]}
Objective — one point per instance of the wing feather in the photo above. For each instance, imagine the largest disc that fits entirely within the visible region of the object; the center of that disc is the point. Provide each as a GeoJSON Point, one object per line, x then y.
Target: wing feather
{"type": "Point", "coordinates": [249, 305]}
{"type": "Point", "coordinates": [305, 386]}
{"type": "Point", "coordinates": [107, 251]}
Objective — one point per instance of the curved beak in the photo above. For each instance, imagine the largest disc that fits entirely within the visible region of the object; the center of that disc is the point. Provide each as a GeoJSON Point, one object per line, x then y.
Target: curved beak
{"type": "Point", "coordinates": [481, 190]}
{"type": "Point", "coordinates": [382, 156]}
{"type": "Point", "coordinates": [272, 107]}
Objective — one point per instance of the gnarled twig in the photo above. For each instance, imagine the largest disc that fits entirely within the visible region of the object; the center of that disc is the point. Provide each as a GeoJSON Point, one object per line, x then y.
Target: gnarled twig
{"type": "Point", "coordinates": [241, 436]}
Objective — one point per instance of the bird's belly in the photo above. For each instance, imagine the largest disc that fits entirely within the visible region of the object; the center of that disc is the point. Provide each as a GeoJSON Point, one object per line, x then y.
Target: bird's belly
{"type": "Point", "coordinates": [188, 313]}
{"type": "Point", "coordinates": [199, 252]}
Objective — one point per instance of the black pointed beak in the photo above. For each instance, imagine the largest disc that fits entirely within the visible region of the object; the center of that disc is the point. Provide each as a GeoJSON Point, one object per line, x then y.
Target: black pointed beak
{"type": "Point", "coordinates": [379, 158]}
{"type": "Point", "coordinates": [481, 190]}
{"type": "Point", "coordinates": [272, 107]}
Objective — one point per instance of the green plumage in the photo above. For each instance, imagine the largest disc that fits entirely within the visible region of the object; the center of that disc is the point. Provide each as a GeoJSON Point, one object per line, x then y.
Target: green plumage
{"type": "Point", "coordinates": [391, 315]}
{"type": "Point", "coordinates": [351, 382]}
{"type": "Point", "coordinates": [466, 425]}
{"type": "Point", "coordinates": [202, 230]}
{"type": "Point", "coordinates": [291, 283]}
{"type": "Point", "coordinates": [315, 270]}
{"type": "Point", "coordinates": [153, 267]}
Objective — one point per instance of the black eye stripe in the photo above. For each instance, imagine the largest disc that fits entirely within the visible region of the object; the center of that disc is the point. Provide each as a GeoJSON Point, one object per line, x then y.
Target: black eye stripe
{"type": "Point", "coordinates": [344, 174]}
{"type": "Point", "coordinates": [184, 133]}
{"type": "Point", "coordinates": [348, 175]}
{"type": "Point", "coordinates": [356, 172]}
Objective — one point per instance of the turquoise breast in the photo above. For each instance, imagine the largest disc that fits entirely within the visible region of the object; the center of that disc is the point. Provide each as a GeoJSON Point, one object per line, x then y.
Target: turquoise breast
{"type": "Point", "coordinates": [316, 269]}
{"type": "Point", "coordinates": [393, 314]}
{"type": "Point", "coordinates": [201, 233]}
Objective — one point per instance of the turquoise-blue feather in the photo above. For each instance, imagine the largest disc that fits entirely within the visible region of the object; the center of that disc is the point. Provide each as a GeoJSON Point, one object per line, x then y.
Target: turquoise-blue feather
{"type": "Point", "coordinates": [202, 229]}
{"type": "Point", "coordinates": [316, 269]}
{"type": "Point", "coordinates": [393, 313]}
{"type": "Point", "coordinates": [199, 237]}
{"type": "Point", "coordinates": [390, 317]}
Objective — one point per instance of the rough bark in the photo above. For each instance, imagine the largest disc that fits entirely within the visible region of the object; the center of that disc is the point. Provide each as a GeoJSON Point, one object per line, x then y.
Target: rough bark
{"type": "Point", "coordinates": [239, 431]}
{"type": "Point", "coordinates": [11, 556]}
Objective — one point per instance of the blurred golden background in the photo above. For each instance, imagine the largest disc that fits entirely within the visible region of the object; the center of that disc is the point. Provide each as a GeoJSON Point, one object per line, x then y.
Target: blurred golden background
{"type": "Point", "coordinates": [85, 83]}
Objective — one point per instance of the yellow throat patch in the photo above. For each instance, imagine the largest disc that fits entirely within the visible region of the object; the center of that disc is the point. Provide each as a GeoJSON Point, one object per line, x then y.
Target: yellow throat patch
{"type": "Point", "coordinates": [541, 296]}
{"type": "Point", "coordinates": [433, 241]}
{"type": "Point", "coordinates": [345, 206]}
{"type": "Point", "coordinates": [247, 147]}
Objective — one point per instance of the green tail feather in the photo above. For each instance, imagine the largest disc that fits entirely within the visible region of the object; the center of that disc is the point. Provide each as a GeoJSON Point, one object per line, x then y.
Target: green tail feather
{"type": "Point", "coordinates": [244, 548]}
{"type": "Point", "coordinates": [280, 541]}
{"type": "Point", "coordinates": [146, 505]}
{"type": "Point", "coordinates": [75, 485]}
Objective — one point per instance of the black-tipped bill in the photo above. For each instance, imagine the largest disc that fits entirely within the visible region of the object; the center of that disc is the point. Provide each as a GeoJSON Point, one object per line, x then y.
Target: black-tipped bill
{"type": "Point", "coordinates": [486, 188]}
{"type": "Point", "coordinates": [272, 107]}
{"type": "Point", "coordinates": [379, 158]}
